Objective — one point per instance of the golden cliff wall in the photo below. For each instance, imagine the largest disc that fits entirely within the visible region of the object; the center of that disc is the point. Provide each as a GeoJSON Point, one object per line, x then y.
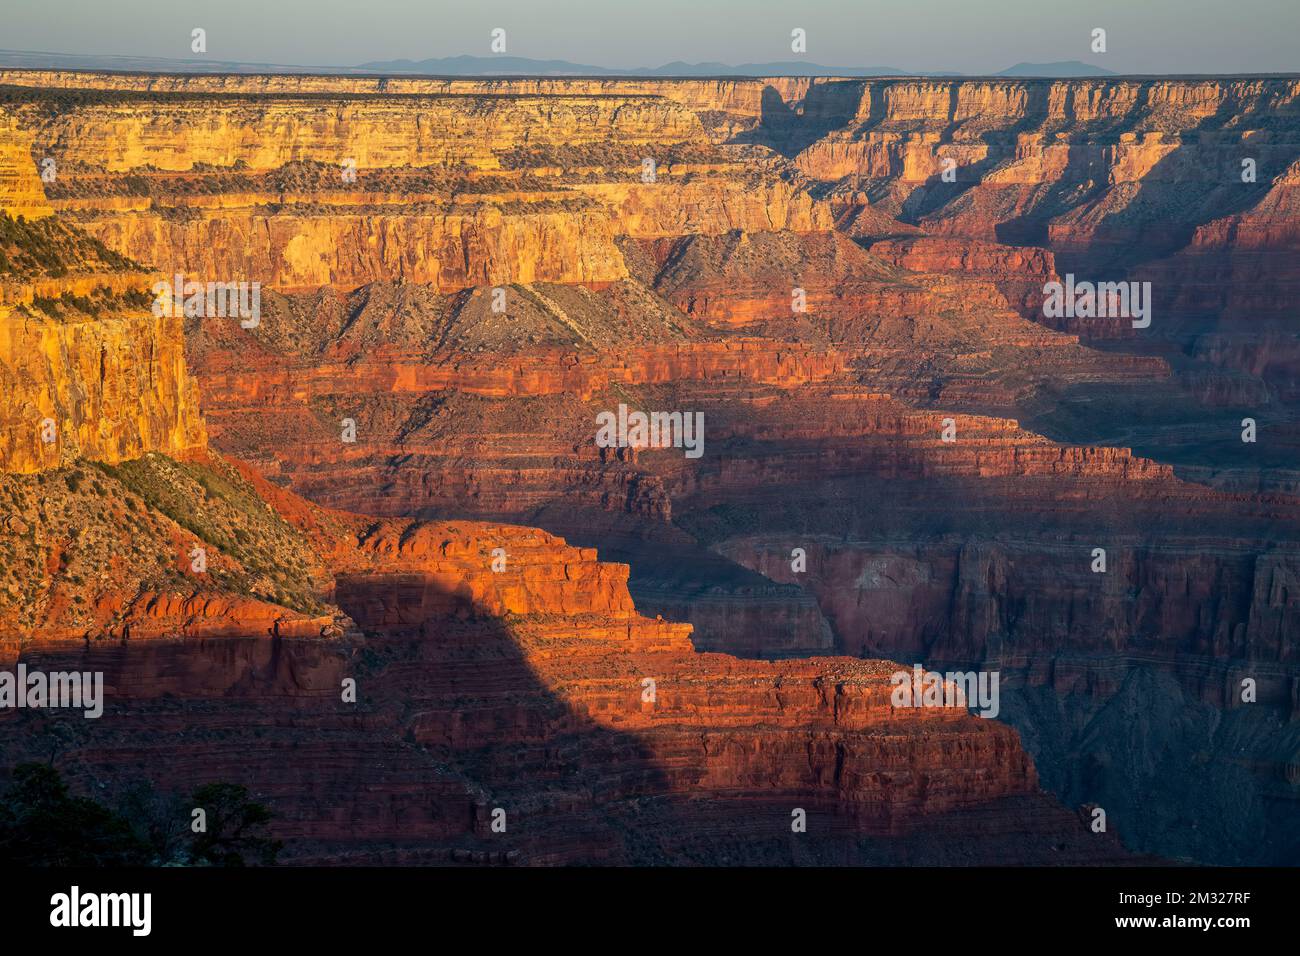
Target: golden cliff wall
{"type": "Point", "coordinates": [305, 249]}
{"type": "Point", "coordinates": [732, 104]}
{"type": "Point", "coordinates": [725, 106]}
{"type": "Point", "coordinates": [108, 388]}
{"type": "Point", "coordinates": [114, 388]}
{"type": "Point", "coordinates": [194, 181]}
{"type": "Point", "coordinates": [475, 243]}
{"type": "Point", "coordinates": [20, 185]}
{"type": "Point", "coordinates": [902, 128]}
{"type": "Point", "coordinates": [175, 133]}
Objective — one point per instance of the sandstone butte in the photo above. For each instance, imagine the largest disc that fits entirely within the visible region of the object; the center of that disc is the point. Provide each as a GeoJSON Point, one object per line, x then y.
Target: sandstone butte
{"type": "Point", "coordinates": [523, 688]}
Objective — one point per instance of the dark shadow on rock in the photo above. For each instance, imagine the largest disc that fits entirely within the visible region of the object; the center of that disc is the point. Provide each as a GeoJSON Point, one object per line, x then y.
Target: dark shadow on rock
{"type": "Point", "coordinates": [449, 723]}
{"type": "Point", "coordinates": [788, 131]}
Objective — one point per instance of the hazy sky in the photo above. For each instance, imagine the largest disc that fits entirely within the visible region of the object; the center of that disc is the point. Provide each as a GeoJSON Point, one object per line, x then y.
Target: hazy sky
{"type": "Point", "coordinates": [969, 36]}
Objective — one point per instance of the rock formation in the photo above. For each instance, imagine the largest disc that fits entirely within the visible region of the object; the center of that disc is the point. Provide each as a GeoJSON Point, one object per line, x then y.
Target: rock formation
{"type": "Point", "coordinates": [846, 279]}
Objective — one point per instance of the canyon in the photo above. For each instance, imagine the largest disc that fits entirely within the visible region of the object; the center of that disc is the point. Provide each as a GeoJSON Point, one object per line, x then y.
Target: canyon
{"type": "Point", "coordinates": [459, 276]}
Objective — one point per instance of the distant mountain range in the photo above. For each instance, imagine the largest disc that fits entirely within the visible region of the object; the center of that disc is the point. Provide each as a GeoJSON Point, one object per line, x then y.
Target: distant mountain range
{"type": "Point", "coordinates": [506, 66]}
{"type": "Point", "coordinates": [1061, 68]}
{"type": "Point", "coordinates": [518, 65]}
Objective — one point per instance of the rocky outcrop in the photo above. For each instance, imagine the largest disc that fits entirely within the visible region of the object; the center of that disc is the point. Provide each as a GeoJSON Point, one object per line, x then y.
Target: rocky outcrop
{"type": "Point", "coordinates": [20, 184]}
{"type": "Point", "coordinates": [106, 388]}
{"type": "Point", "coordinates": [505, 671]}
{"type": "Point", "coordinates": [87, 371]}
{"type": "Point", "coordinates": [1019, 273]}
